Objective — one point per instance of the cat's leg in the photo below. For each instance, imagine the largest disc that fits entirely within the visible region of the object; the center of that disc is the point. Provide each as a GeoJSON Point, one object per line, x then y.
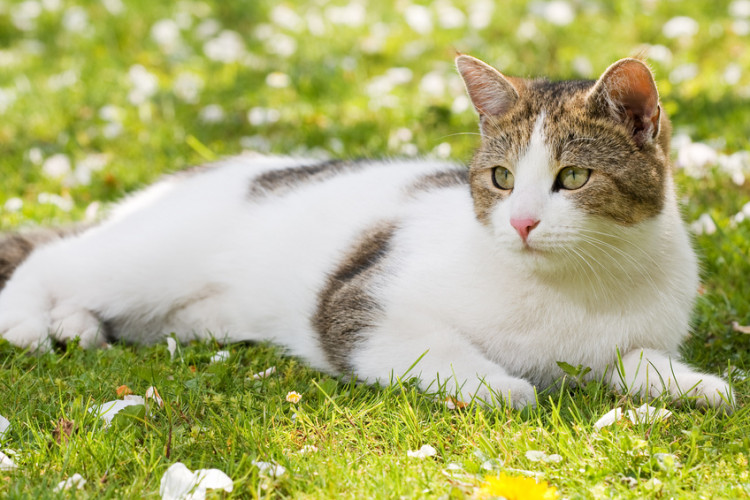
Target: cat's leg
{"type": "Point", "coordinates": [650, 373]}
{"type": "Point", "coordinates": [446, 359]}
{"type": "Point", "coordinates": [33, 310]}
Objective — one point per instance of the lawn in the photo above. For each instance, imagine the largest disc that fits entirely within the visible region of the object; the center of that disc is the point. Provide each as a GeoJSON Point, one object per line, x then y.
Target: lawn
{"type": "Point", "coordinates": [99, 98]}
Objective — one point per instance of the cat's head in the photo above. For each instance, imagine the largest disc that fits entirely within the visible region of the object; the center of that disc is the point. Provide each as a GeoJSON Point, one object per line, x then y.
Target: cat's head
{"type": "Point", "coordinates": [562, 161]}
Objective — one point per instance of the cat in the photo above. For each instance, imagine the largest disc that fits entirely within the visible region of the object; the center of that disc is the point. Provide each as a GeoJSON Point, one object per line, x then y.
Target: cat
{"type": "Point", "coordinates": [561, 241]}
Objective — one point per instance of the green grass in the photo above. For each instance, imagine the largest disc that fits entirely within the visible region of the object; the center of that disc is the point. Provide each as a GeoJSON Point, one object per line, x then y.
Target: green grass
{"type": "Point", "coordinates": [58, 88]}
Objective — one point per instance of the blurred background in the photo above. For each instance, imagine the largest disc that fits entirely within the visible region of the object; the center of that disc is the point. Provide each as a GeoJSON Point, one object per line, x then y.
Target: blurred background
{"type": "Point", "coordinates": [101, 97]}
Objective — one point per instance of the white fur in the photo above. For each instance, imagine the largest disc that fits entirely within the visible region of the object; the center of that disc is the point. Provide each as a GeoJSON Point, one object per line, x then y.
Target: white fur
{"type": "Point", "coordinates": [196, 257]}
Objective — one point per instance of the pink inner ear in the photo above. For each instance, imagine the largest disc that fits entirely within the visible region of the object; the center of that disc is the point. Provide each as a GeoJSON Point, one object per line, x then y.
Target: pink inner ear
{"type": "Point", "coordinates": [632, 94]}
{"type": "Point", "coordinates": [632, 86]}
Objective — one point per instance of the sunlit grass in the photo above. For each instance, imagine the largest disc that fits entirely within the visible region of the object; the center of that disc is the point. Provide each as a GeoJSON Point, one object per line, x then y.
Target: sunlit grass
{"type": "Point", "coordinates": [101, 98]}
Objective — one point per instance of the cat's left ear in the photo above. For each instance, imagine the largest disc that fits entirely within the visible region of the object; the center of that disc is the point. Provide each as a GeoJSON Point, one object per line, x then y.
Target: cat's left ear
{"type": "Point", "coordinates": [627, 93]}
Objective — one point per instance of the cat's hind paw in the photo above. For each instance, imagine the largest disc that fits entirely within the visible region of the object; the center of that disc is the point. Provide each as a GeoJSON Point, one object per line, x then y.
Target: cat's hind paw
{"type": "Point", "coordinates": [705, 390]}
{"type": "Point", "coordinates": [494, 390]}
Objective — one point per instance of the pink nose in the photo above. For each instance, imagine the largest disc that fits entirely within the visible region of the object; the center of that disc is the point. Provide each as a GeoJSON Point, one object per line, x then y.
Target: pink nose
{"type": "Point", "coordinates": [524, 226]}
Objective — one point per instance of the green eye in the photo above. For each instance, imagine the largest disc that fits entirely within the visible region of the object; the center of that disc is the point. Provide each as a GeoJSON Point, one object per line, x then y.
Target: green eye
{"type": "Point", "coordinates": [502, 178]}
{"type": "Point", "coordinates": [573, 177]}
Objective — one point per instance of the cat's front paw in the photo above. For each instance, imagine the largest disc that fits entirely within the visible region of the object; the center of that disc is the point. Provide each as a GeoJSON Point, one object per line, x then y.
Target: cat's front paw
{"type": "Point", "coordinates": [25, 332]}
{"type": "Point", "coordinates": [491, 390]}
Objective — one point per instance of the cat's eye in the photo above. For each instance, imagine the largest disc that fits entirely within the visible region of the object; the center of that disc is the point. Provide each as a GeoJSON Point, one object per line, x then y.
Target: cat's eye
{"type": "Point", "coordinates": [502, 178]}
{"type": "Point", "coordinates": [573, 177]}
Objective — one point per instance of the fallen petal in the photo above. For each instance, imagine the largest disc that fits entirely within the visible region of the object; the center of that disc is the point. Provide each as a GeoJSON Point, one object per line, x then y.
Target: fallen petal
{"type": "Point", "coordinates": [123, 390]}
{"type": "Point", "coordinates": [646, 413]}
{"type": "Point", "coordinates": [4, 426]}
{"type": "Point", "coordinates": [6, 463]}
{"type": "Point", "coordinates": [269, 469]}
{"type": "Point", "coordinates": [554, 458]}
{"type": "Point", "coordinates": [152, 393]}
{"type": "Point", "coordinates": [220, 356]}
{"type": "Point", "coordinates": [424, 452]}
{"type": "Point", "coordinates": [179, 483]}
{"type": "Point", "coordinates": [740, 328]}
{"type": "Point", "coordinates": [108, 410]}
{"type": "Point", "coordinates": [267, 373]}
{"type": "Point", "coordinates": [308, 448]}
{"type": "Point", "coordinates": [75, 481]}
{"type": "Point", "coordinates": [171, 347]}
{"type": "Point", "coordinates": [608, 418]}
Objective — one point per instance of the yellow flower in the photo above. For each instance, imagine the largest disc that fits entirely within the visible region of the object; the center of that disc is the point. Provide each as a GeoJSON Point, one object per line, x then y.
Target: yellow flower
{"type": "Point", "coordinates": [293, 396]}
{"type": "Point", "coordinates": [516, 488]}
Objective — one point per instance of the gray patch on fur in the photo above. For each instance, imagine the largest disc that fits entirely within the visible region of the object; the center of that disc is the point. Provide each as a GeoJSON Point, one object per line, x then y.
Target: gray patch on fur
{"type": "Point", "coordinates": [443, 179]}
{"type": "Point", "coordinates": [346, 306]}
{"type": "Point", "coordinates": [16, 247]}
{"type": "Point", "coordinates": [285, 180]}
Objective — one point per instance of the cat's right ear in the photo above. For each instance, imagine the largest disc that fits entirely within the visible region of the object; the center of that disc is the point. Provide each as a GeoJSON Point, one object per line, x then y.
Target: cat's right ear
{"type": "Point", "coordinates": [490, 92]}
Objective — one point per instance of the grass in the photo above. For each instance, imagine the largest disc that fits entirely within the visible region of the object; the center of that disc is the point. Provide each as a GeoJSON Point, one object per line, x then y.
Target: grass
{"type": "Point", "coordinates": [67, 88]}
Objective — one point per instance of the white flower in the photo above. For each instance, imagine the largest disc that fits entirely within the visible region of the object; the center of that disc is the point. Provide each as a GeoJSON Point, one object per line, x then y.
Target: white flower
{"type": "Point", "coordinates": [6, 463]}
{"type": "Point", "coordinates": [24, 15]}
{"type": "Point", "coordinates": [443, 150]}
{"type": "Point", "coordinates": [741, 27]}
{"type": "Point", "coordinates": [220, 356]}
{"type": "Point", "coordinates": [52, 5]}
{"type": "Point", "coordinates": [108, 410]}
{"type": "Point", "coordinates": [308, 448]}
{"type": "Point", "coordinates": [75, 481]}
{"type": "Point", "coordinates": [583, 66]}
{"type": "Point", "coordinates": [433, 83]}
{"type": "Point", "coordinates": [63, 80]}
{"type": "Point", "coordinates": [281, 45]}
{"type": "Point", "coordinates": [171, 347]}
{"type": "Point", "coordinates": [187, 86]}
{"type": "Point", "coordinates": [480, 13]}
{"type": "Point", "coordinates": [179, 483]}
{"type": "Point", "coordinates": [286, 18]}
{"type": "Point", "coordinates": [87, 166]}
{"type": "Point", "coordinates": [213, 113]}
{"type": "Point", "coordinates": [13, 204]}
{"type": "Point", "coordinates": [419, 18]}
{"type": "Point", "coordinates": [207, 29]}
{"type": "Point", "coordinates": [558, 12]}
{"type": "Point", "coordinates": [353, 14]}
{"type": "Point", "coordinates": [704, 225]}
{"type": "Point", "coordinates": [63, 203]}
{"type": "Point", "coordinates": [261, 116]}
{"type": "Point", "coordinates": [227, 47]}
{"type": "Point", "coordinates": [145, 84]}
{"type": "Point", "coordinates": [269, 469]}
{"type": "Point", "coordinates": [57, 166]}
{"type": "Point", "coordinates": [4, 426]}
{"type": "Point", "coordinates": [76, 19]}
{"type": "Point", "coordinates": [424, 452]}
{"type": "Point", "coordinates": [732, 73]}
{"type": "Point", "coordinates": [680, 26]}
{"type": "Point", "coordinates": [166, 33]}
{"type": "Point", "coordinates": [660, 53]}
{"type": "Point", "coordinates": [694, 157]}
{"type": "Point", "coordinates": [740, 8]}
{"type": "Point", "coordinates": [449, 17]}
{"type": "Point", "coordinates": [277, 80]}
{"type": "Point", "coordinates": [683, 73]}
{"type": "Point", "coordinates": [114, 7]}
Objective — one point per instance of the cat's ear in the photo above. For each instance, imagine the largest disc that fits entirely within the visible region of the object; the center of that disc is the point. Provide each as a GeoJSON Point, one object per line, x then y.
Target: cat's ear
{"type": "Point", "coordinates": [490, 92]}
{"type": "Point", "coordinates": [627, 93]}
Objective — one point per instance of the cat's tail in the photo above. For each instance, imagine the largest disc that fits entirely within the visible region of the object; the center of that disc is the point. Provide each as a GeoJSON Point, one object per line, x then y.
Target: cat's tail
{"type": "Point", "coordinates": [15, 247]}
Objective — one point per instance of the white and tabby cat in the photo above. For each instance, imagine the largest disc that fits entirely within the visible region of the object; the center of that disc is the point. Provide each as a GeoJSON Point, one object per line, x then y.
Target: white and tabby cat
{"type": "Point", "coordinates": [561, 242]}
